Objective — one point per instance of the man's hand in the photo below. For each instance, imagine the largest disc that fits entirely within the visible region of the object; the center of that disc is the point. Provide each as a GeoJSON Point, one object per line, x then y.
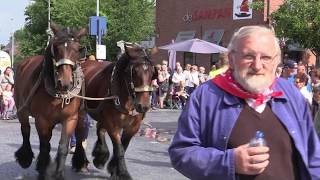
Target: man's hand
{"type": "Point", "coordinates": [251, 160]}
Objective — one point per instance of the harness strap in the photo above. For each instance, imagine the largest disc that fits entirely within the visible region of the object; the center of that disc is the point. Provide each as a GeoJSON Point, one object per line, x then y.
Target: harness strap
{"type": "Point", "coordinates": [32, 92]}
{"type": "Point", "coordinates": [64, 61]}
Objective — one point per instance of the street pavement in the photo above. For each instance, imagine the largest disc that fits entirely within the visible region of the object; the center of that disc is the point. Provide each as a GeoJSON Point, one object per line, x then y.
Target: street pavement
{"type": "Point", "coordinates": [146, 158]}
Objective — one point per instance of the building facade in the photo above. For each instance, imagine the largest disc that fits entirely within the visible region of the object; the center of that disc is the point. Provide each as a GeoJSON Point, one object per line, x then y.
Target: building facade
{"type": "Point", "coordinates": [211, 20]}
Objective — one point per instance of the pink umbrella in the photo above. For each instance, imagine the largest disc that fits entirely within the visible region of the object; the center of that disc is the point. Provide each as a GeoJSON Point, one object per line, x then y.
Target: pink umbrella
{"type": "Point", "coordinates": [195, 46]}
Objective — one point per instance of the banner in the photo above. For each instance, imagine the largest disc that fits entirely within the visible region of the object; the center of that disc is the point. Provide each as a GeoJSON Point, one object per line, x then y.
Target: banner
{"type": "Point", "coordinates": [242, 9]}
{"type": "Point", "coordinates": [213, 35]}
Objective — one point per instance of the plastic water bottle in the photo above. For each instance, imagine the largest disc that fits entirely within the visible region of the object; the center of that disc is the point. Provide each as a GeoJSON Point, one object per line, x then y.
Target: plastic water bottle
{"type": "Point", "coordinates": [258, 140]}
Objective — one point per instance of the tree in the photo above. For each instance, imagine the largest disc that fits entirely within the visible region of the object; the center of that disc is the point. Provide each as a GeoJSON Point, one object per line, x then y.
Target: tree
{"type": "Point", "coordinates": [128, 20]}
{"type": "Point", "coordinates": [299, 20]}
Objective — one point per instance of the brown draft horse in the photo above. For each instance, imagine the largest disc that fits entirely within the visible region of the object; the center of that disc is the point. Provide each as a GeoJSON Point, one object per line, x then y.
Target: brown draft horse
{"type": "Point", "coordinates": [42, 83]}
{"type": "Point", "coordinates": [129, 79]}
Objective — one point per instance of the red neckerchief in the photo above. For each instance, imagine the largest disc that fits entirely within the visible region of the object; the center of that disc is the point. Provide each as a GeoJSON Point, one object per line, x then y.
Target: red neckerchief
{"type": "Point", "coordinates": [226, 82]}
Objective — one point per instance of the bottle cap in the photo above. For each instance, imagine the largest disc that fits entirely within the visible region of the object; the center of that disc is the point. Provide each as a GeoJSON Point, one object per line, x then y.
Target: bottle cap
{"type": "Point", "coordinates": [259, 134]}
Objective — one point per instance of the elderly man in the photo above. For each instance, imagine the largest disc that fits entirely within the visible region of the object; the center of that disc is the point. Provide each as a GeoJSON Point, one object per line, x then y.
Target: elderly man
{"type": "Point", "coordinates": [223, 114]}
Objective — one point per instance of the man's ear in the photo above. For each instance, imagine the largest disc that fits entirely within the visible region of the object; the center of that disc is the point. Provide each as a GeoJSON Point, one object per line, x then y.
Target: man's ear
{"type": "Point", "coordinates": [231, 59]}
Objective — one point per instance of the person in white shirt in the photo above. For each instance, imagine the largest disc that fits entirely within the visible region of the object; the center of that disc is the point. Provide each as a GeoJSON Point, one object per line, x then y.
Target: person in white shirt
{"type": "Point", "coordinates": [203, 77]}
{"type": "Point", "coordinates": [178, 76]}
{"type": "Point", "coordinates": [301, 84]}
{"type": "Point", "coordinates": [193, 79]}
{"type": "Point", "coordinates": [163, 83]}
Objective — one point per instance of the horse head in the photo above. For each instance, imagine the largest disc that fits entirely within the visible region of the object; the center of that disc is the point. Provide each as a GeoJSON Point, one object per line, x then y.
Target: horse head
{"type": "Point", "coordinates": [139, 74]}
{"type": "Point", "coordinates": [64, 49]}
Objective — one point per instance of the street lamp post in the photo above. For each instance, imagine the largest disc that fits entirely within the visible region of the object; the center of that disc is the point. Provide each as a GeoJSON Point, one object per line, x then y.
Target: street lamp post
{"type": "Point", "coordinates": [97, 37]}
{"type": "Point", "coordinates": [49, 32]}
{"type": "Point", "coordinates": [12, 46]}
{"type": "Point", "coordinates": [12, 49]}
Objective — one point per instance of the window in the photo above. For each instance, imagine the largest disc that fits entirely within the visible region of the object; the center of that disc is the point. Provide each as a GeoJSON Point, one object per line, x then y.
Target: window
{"type": "Point", "coordinates": [188, 58]}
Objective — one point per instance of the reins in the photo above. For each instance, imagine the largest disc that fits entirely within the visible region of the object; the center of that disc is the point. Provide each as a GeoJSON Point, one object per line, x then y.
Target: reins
{"type": "Point", "coordinates": [91, 98]}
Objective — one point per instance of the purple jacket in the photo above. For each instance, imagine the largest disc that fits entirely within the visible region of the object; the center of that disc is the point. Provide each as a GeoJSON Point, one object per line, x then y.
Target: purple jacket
{"type": "Point", "coordinates": [199, 148]}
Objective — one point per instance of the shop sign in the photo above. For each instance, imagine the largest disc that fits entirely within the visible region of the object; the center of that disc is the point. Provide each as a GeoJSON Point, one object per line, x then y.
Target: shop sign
{"type": "Point", "coordinates": [242, 9]}
{"type": "Point", "coordinates": [185, 35]}
{"type": "Point", "coordinates": [204, 14]}
{"type": "Point", "coordinates": [213, 35]}
{"type": "Point", "coordinates": [187, 18]}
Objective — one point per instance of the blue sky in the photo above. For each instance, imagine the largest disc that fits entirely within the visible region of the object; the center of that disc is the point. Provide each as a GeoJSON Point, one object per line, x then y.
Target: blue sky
{"type": "Point", "coordinates": [11, 9]}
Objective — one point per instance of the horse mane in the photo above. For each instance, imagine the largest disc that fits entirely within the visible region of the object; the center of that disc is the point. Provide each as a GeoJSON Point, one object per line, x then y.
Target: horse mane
{"type": "Point", "coordinates": [48, 66]}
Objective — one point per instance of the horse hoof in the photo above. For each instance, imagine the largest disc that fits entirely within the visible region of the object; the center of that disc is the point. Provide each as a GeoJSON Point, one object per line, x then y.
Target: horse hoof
{"type": "Point", "coordinates": [79, 162]}
{"type": "Point", "coordinates": [84, 170]}
{"type": "Point", "coordinates": [24, 157]}
{"type": "Point", "coordinates": [98, 164]}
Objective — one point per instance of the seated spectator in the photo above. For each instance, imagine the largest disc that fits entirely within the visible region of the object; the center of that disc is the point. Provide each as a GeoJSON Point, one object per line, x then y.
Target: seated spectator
{"type": "Point", "coordinates": [8, 101]}
{"type": "Point", "coordinates": [7, 78]}
{"type": "Point", "coordinates": [181, 93]}
{"type": "Point", "coordinates": [178, 76]}
{"type": "Point", "coordinates": [203, 77]}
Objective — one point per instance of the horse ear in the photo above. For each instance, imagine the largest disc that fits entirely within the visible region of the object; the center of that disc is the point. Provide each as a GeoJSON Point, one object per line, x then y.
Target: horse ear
{"type": "Point", "coordinates": [81, 33]}
{"type": "Point", "coordinates": [54, 27]}
{"type": "Point", "coordinates": [132, 51]}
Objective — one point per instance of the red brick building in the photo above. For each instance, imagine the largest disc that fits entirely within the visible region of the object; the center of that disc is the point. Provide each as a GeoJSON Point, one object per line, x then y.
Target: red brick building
{"type": "Point", "coordinates": [211, 20]}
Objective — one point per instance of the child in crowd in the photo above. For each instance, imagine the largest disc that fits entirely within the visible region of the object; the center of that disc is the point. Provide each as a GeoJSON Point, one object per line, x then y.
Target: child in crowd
{"type": "Point", "coordinates": [8, 102]}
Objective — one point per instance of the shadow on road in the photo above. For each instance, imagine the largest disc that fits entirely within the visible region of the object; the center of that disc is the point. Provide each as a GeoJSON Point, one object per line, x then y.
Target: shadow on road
{"type": "Point", "coordinates": [12, 171]}
{"type": "Point", "coordinates": [33, 146]}
{"type": "Point", "coordinates": [149, 163]}
{"type": "Point", "coordinates": [155, 152]}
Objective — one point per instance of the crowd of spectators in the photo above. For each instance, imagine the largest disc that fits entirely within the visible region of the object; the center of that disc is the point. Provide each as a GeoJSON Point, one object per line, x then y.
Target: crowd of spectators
{"type": "Point", "coordinates": [307, 80]}
{"type": "Point", "coordinates": [174, 86]}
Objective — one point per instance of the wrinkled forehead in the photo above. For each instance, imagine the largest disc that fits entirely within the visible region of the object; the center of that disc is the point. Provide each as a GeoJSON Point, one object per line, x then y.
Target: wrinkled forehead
{"type": "Point", "coordinates": [263, 43]}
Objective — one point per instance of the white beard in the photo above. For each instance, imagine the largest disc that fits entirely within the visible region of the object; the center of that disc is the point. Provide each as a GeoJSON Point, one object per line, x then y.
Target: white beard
{"type": "Point", "coordinates": [253, 83]}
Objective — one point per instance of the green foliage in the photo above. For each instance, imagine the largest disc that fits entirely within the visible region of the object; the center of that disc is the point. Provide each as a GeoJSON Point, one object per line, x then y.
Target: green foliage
{"type": "Point", "coordinates": [257, 5]}
{"type": "Point", "coordinates": [128, 20]}
{"type": "Point", "coordinates": [299, 20]}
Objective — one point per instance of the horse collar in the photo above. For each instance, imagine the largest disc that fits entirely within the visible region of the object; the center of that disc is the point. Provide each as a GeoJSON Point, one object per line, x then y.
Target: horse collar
{"type": "Point", "coordinates": [78, 80]}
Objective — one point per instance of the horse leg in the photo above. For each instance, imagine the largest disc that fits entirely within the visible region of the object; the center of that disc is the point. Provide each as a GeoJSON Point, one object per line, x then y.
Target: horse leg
{"type": "Point", "coordinates": [24, 154]}
{"type": "Point", "coordinates": [44, 129]}
{"type": "Point", "coordinates": [117, 166]}
{"type": "Point", "coordinates": [56, 169]}
{"type": "Point", "coordinates": [100, 151]}
{"type": "Point", "coordinates": [130, 131]}
{"type": "Point", "coordinates": [79, 159]}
